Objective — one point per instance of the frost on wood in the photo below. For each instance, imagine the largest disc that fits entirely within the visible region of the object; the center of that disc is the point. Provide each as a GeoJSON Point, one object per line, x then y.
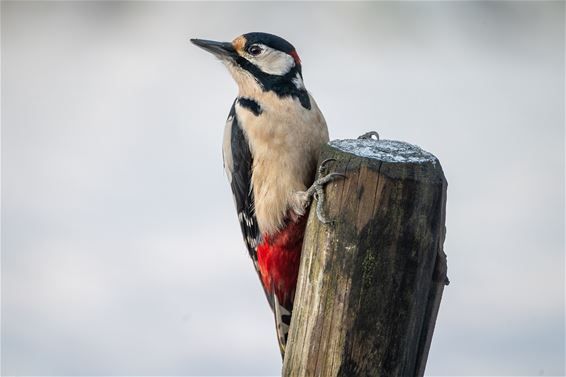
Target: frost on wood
{"type": "Point", "coordinates": [384, 150]}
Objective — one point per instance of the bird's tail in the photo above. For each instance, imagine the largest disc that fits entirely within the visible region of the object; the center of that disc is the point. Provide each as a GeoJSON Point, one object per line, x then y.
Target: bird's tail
{"type": "Point", "coordinates": [282, 322]}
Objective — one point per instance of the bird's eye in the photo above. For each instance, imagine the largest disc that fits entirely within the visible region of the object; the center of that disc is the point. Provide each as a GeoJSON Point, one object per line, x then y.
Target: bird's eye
{"type": "Point", "coordinates": [254, 50]}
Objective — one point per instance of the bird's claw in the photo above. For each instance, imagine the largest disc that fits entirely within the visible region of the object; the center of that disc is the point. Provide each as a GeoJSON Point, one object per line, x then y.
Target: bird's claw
{"type": "Point", "coordinates": [371, 135]}
{"type": "Point", "coordinates": [322, 167]}
{"type": "Point", "coordinates": [317, 189]}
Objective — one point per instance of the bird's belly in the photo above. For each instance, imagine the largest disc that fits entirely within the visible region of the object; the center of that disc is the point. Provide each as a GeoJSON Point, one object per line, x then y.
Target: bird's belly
{"type": "Point", "coordinates": [279, 256]}
{"type": "Point", "coordinates": [285, 141]}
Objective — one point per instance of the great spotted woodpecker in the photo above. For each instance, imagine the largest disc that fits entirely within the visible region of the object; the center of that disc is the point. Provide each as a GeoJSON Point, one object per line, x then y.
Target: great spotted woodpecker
{"type": "Point", "coordinates": [272, 140]}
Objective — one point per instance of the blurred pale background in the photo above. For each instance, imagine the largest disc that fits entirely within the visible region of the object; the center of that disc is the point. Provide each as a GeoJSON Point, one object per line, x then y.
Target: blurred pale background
{"type": "Point", "coordinates": [121, 253]}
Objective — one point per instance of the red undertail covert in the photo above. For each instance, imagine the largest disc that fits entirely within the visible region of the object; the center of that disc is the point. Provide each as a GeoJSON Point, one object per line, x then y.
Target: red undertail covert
{"type": "Point", "coordinates": [279, 256]}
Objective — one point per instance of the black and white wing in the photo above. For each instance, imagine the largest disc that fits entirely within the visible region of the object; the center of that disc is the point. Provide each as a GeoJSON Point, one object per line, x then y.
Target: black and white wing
{"type": "Point", "coordinates": [238, 162]}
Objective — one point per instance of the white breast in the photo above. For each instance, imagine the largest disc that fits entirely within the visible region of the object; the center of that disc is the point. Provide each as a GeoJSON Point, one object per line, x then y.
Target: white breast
{"type": "Point", "coordinates": [285, 141]}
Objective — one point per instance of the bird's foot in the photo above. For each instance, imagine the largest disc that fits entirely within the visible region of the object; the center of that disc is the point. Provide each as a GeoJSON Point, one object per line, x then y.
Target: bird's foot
{"type": "Point", "coordinates": [372, 135]}
{"type": "Point", "coordinates": [317, 189]}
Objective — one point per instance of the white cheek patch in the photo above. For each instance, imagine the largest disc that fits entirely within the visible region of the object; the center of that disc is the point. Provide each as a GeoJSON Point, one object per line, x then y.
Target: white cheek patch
{"type": "Point", "coordinates": [273, 62]}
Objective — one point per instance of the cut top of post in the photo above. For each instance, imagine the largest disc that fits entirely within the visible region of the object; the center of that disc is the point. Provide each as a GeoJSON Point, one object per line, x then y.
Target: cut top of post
{"type": "Point", "coordinates": [391, 151]}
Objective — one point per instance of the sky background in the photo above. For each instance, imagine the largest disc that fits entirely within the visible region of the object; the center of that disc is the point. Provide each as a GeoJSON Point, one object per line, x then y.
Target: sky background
{"type": "Point", "coordinates": [121, 251]}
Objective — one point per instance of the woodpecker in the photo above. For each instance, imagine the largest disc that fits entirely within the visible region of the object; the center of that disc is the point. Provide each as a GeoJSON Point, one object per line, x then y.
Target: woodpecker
{"type": "Point", "coordinates": [272, 140]}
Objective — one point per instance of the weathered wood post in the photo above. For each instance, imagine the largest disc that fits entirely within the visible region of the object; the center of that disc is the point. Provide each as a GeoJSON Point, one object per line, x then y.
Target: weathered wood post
{"type": "Point", "coordinates": [370, 283]}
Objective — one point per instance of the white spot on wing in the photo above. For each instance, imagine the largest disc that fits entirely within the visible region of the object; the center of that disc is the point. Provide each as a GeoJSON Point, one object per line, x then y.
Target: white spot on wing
{"type": "Point", "coordinates": [251, 241]}
{"type": "Point", "coordinates": [227, 148]}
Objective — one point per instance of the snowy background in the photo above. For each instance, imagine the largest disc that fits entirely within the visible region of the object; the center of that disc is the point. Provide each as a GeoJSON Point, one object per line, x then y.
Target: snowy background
{"type": "Point", "coordinates": [121, 252]}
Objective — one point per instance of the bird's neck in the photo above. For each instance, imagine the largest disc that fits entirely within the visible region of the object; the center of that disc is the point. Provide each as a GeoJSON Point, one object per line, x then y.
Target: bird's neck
{"type": "Point", "coordinates": [282, 90]}
{"type": "Point", "coordinates": [254, 83]}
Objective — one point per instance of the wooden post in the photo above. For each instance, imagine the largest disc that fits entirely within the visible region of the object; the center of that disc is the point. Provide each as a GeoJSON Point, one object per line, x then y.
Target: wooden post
{"type": "Point", "coordinates": [370, 283]}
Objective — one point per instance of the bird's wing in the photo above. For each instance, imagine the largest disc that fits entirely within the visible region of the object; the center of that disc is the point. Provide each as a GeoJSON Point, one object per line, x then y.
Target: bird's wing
{"type": "Point", "coordinates": [238, 161]}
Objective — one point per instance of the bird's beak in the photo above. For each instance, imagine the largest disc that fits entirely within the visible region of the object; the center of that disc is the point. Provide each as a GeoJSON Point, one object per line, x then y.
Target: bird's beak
{"type": "Point", "coordinates": [222, 50]}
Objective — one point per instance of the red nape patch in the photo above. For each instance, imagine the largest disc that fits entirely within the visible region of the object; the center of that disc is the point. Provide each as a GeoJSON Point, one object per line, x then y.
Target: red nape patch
{"type": "Point", "coordinates": [295, 56]}
{"type": "Point", "coordinates": [279, 256]}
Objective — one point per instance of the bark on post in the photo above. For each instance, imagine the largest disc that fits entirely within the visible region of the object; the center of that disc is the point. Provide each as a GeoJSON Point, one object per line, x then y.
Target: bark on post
{"type": "Point", "coordinates": [370, 283]}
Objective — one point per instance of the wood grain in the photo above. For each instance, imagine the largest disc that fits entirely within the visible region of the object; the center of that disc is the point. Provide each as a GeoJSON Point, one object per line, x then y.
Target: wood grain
{"type": "Point", "coordinates": [370, 283]}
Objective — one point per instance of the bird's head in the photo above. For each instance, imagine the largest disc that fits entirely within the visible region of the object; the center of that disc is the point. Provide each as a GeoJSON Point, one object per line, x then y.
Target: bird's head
{"type": "Point", "coordinates": [260, 60]}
